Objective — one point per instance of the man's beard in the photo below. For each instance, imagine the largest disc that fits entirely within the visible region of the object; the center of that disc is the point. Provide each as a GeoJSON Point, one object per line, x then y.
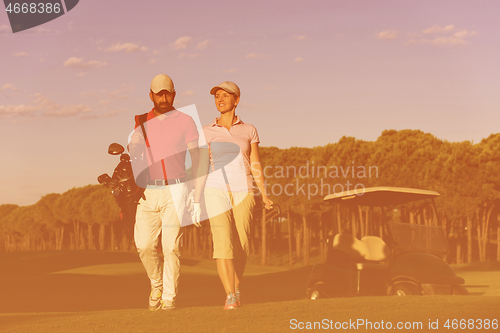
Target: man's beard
{"type": "Point", "coordinates": [163, 108]}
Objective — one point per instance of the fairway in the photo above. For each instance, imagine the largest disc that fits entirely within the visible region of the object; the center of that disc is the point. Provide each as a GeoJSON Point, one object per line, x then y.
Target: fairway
{"type": "Point", "coordinates": [91, 291]}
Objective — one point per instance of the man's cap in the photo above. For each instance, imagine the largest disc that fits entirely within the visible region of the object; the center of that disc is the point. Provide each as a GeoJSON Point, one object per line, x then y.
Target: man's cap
{"type": "Point", "coordinates": [228, 86]}
{"type": "Point", "coordinates": [162, 82]}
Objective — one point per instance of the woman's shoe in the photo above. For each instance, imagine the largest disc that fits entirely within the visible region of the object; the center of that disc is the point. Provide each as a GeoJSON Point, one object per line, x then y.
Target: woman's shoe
{"type": "Point", "coordinates": [237, 295]}
{"type": "Point", "coordinates": [231, 302]}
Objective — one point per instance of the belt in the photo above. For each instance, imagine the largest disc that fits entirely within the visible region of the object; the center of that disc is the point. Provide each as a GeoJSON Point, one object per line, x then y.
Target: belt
{"type": "Point", "coordinates": [166, 182]}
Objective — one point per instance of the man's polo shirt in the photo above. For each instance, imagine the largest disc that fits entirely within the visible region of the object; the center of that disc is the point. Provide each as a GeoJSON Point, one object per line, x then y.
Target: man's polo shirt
{"type": "Point", "coordinates": [167, 140]}
{"type": "Point", "coordinates": [230, 155]}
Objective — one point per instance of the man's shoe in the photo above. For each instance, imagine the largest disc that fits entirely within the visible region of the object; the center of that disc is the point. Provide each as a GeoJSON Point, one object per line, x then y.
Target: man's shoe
{"type": "Point", "coordinates": [230, 302]}
{"type": "Point", "coordinates": [237, 295]}
{"type": "Point", "coordinates": [166, 305]}
{"type": "Point", "coordinates": [155, 299]}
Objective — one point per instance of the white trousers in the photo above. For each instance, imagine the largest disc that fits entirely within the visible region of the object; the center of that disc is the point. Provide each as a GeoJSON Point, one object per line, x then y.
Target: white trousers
{"type": "Point", "coordinates": [161, 212]}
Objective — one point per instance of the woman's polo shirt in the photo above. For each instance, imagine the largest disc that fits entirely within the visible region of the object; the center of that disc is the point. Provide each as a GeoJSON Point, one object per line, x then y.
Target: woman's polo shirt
{"type": "Point", "coordinates": [230, 155]}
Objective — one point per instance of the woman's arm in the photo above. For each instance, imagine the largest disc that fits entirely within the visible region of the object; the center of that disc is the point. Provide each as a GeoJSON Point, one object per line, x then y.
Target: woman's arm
{"type": "Point", "coordinates": [258, 175]}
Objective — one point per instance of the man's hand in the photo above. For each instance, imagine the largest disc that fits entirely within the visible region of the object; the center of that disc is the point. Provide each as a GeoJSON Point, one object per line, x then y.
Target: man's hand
{"type": "Point", "coordinates": [196, 214]}
{"type": "Point", "coordinates": [137, 139]}
{"type": "Point", "coordinates": [136, 145]}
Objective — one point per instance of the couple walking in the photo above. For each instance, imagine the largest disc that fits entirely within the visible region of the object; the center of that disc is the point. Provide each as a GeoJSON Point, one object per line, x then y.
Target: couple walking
{"type": "Point", "coordinates": [225, 161]}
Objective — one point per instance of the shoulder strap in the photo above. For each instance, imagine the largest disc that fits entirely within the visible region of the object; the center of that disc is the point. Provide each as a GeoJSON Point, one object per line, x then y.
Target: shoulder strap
{"type": "Point", "coordinates": [143, 118]}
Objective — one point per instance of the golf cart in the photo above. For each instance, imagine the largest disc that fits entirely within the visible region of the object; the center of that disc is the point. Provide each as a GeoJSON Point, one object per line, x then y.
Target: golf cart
{"type": "Point", "coordinates": [407, 258]}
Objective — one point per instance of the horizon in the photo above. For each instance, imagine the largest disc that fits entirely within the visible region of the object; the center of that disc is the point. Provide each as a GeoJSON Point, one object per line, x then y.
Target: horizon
{"type": "Point", "coordinates": [309, 73]}
{"type": "Point", "coordinates": [294, 167]}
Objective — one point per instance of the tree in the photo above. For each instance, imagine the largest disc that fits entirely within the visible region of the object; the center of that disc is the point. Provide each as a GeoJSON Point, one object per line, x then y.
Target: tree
{"type": "Point", "coordinates": [44, 213]}
{"type": "Point", "coordinates": [67, 208]}
{"type": "Point", "coordinates": [100, 207]}
{"type": "Point", "coordinates": [5, 228]}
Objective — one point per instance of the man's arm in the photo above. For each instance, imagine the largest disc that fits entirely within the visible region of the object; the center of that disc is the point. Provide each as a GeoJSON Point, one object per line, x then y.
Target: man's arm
{"type": "Point", "coordinates": [200, 170]}
{"type": "Point", "coordinates": [136, 144]}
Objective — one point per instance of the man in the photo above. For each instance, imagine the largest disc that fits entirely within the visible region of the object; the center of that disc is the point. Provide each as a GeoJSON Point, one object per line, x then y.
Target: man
{"type": "Point", "coordinates": [161, 138]}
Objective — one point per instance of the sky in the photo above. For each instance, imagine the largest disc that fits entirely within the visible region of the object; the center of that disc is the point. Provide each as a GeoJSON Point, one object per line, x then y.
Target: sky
{"type": "Point", "coordinates": [310, 72]}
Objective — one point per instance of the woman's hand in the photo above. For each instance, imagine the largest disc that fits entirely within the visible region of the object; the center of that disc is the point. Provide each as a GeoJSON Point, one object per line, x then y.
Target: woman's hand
{"type": "Point", "coordinates": [268, 203]}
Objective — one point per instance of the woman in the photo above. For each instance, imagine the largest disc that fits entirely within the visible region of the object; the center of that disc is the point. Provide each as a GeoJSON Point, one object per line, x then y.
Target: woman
{"type": "Point", "coordinates": [228, 191]}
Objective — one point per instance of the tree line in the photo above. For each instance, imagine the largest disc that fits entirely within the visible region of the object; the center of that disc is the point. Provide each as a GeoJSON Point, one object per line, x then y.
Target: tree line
{"type": "Point", "coordinates": [466, 175]}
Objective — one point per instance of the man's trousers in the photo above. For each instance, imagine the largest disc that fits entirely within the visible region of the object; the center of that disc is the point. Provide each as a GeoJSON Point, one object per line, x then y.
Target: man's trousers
{"type": "Point", "coordinates": [161, 212]}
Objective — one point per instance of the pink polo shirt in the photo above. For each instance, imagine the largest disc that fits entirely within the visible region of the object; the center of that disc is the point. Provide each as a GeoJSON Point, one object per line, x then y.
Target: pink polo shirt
{"type": "Point", "coordinates": [230, 155]}
{"type": "Point", "coordinates": [167, 139]}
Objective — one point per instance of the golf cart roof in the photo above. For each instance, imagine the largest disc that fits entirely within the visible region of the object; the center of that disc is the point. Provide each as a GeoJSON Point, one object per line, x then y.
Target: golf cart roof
{"type": "Point", "coordinates": [380, 196]}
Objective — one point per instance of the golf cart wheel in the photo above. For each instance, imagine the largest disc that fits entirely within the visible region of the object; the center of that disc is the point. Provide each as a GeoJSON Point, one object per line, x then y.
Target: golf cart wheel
{"type": "Point", "coordinates": [459, 290]}
{"type": "Point", "coordinates": [404, 289]}
{"type": "Point", "coordinates": [316, 292]}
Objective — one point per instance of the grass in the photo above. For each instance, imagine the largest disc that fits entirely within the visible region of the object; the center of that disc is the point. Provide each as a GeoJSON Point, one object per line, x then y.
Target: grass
{"type": "Point", "coordinates": [264, 317]}
{"type": "Point", "coordinates": [90, 291]}
{"type": "Point", "coordinates": [480, 278]}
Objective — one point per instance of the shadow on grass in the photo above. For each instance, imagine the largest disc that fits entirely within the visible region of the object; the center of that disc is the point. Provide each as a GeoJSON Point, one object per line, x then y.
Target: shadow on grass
{"type": "Point", "coordinates": [490, 266]}
{"type": "Point", "coordinates": [27, 284]}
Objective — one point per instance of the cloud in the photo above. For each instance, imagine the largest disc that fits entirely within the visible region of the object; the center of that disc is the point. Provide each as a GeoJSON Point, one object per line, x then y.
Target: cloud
{"type": "Point", "coordinates": [51, 108]}
{"type": "Point", "coordinates": [448, 40]}
{"type": "Point", "coordinates": [75, 62]}
{"type": "Point", "coordinates": [388, 34]}
{"type": "Point", "coordinates": [298, 59]}
{"type": "Point", "coordinates": [44, 106]}
{"type": "Point", "coordinates": [232, 70]}
{"type": "Point", "coordinates": [10, 111]}
{"type": "Point", "coordinates": [188, 93]}
{"type": "Point", "coordinates": [103, 115]}
{"type": "Point", "coordinates": [38, 31]}
{"type": "Point", "coordinates": [117, 94]}
{"type": "Point", "coordinates": [270, 88]}
{"type": "Point", "coordinates": [299, 37]}
{"type": "Point", "coordinates": [181, 43]}
{"type": "Point", "coordinates": [438, 29]}
{"type": "Point", "coordinates": [458, 38]}
{"type": "Point", "coordinates": [155, 52]}
{"type": "Point", "coordinates": [255, 56]}
{"type": "Point", "coordinates": [447, 35]}
{"type": "Point", "coordinates": [8, 86]}
{"type": "Point", "coordinates": [203, 45]}
{"type": "Point", "coordinates": [126, 47]}
{"type": "Point", "coordinates": [120, 93]}
{"type": "Point", "coordinates": [464, 34]}
{"type": "Point", "coordinates": [417, 41]}
{"type": "Point", "coordinates": [68, 111]}
{"type": "Point", "coordinates": [189, 55]}
{"type": "Point", "coordinates": [20, 54]}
